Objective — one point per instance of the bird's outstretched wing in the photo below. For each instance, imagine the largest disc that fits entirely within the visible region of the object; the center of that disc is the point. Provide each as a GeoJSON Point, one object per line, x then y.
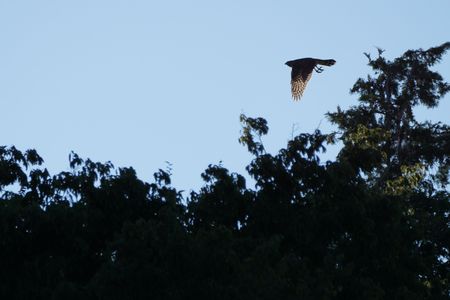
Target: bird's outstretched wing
{"type": "Point", "coordinates": [299, 79]}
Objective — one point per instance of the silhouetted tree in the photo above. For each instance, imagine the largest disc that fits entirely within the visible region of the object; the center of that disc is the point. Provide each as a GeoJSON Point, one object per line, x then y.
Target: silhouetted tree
{"type": "Point", "coordinates": [372, 224]}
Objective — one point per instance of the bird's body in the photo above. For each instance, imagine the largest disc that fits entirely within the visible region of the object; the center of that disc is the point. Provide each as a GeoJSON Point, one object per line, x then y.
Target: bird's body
{"type": "Point", "coordinates": [301, 73]}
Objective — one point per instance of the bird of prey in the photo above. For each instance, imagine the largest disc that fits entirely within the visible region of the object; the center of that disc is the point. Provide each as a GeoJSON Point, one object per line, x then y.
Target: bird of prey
{"type": "Point", "coordinates": [301, 73]}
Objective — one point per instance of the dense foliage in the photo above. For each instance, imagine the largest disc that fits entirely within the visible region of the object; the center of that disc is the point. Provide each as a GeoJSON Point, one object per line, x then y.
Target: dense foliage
{"type": "Point", "coordinates": [373, 224]}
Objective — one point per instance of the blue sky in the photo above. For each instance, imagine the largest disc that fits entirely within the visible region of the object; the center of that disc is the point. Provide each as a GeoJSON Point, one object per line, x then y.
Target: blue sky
{"type": "Point", "coordinates": [140, 82]}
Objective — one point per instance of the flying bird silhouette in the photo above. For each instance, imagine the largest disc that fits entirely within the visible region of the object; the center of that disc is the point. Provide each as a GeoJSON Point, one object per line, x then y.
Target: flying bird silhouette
{"type": "Point", "coordinates": [301, 73]}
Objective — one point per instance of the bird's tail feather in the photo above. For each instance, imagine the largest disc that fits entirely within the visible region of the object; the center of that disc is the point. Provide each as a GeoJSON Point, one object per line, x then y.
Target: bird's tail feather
{"type": "Point", "coordinates": [326, 62]}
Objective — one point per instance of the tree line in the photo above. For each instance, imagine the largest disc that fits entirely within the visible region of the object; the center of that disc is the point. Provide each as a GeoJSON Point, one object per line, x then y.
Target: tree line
{"type": "Point", "coordinates": [371, 224]}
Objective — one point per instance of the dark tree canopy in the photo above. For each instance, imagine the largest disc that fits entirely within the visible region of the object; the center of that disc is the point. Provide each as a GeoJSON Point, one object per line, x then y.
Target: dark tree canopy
{"type": "Point", "coordinates": [371, 224]}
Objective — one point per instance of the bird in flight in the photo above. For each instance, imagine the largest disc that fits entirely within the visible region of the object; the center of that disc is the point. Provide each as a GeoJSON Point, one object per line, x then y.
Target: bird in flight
{"type": "Point", "coordinates": [302, 70]}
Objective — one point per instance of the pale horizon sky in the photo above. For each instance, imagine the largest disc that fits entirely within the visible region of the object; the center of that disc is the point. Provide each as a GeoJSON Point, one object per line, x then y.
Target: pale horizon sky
{"type": "Point", "coordinates": [139, 83]}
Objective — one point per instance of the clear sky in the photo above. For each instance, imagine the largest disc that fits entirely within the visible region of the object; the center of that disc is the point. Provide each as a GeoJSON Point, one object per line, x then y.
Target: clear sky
{"type": "Point", "coordinates": [143, 82]}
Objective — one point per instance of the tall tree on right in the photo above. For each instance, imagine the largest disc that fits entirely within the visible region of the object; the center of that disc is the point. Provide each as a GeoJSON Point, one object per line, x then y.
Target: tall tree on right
{"type": "Point", "coordinates": [406, 160]}
{"type": "Point", "coordinates": [394, 149]}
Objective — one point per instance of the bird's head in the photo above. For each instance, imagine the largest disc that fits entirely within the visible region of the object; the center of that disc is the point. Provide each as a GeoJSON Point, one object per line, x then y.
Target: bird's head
{"type": "Point", "coordinates": [288, 63]}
